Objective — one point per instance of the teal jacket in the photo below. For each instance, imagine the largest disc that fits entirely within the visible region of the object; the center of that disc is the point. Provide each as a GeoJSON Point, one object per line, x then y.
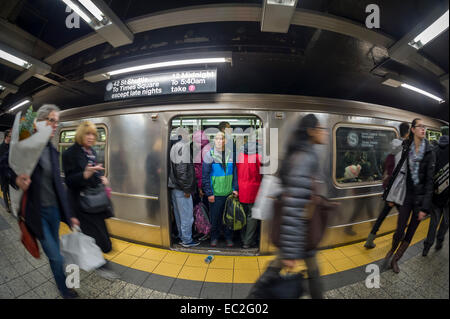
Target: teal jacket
{"type": "Point", "coordinates": [218, 178]}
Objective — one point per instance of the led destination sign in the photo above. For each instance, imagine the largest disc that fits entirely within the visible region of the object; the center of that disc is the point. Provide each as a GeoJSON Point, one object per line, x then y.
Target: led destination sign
{"type": "Point", "coordinates": [176, 82]}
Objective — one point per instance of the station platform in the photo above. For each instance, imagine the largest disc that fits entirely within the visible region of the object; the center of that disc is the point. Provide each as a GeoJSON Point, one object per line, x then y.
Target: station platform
{"type": "Point", "coordinates": [153, 273]}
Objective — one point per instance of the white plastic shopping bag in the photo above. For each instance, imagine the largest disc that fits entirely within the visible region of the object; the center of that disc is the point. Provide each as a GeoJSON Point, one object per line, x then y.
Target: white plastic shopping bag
{"type": "Point", "coordinates": [269, 189]}
{"type": "Point", "coordinates": [80, 249]}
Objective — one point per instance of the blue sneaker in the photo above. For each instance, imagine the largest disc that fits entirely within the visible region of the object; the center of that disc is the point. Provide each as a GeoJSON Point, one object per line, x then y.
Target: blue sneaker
{"type": "Point", "coordinates": [190, 244]}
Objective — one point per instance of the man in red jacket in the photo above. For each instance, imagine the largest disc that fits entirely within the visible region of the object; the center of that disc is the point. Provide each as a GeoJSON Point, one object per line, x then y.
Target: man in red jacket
{"type": "Point", "coordinates": [249, 179]}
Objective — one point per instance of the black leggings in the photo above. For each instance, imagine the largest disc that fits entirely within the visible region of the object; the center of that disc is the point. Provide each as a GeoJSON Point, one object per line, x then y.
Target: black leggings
{"type": "Point", "coordinates": [405, 212]}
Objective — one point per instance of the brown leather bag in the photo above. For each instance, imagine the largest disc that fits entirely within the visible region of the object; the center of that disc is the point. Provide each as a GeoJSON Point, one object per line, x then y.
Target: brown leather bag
{"type": "Point", "coordinates": [27, 239]}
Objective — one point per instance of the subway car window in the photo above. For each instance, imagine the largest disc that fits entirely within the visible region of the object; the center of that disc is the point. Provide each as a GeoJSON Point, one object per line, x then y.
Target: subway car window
{"type": "Point", "coordinates": [360, 153]}
{"type": "Point", "coordinates": [67, 138]}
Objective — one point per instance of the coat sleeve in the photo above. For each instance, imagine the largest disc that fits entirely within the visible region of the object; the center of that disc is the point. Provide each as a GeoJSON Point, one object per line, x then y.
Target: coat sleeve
{"type": "Point", "coordinates": [73, 173]}
{"type": "Point", "coordinates": [8, 176]}
{"type": "Point", "coordinates": [429, 184]}
{"type": "Point", "coordinates": [294, 221]}
{"type": "Point", "coordinates": [206, 175]}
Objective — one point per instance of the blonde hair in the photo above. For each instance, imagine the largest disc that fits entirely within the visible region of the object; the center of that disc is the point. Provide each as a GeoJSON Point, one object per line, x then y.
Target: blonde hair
{"type": "Point", "coordinates": [83, 129]}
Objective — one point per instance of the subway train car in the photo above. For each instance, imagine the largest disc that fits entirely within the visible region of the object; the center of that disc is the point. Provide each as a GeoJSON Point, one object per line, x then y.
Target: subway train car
{"type": "Point", "coordinates": [134, 145]}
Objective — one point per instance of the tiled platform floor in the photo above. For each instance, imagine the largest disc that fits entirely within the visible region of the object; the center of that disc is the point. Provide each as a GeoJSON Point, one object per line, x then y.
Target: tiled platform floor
{"type": "Point", "coordinates": [148, 272]}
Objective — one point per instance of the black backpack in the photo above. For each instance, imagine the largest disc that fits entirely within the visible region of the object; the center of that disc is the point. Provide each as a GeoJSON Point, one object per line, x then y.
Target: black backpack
{"type": "Point", "coordinates": [234, 217]}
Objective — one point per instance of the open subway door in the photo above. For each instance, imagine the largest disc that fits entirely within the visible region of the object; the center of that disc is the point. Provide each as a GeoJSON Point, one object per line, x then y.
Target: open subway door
{"type": "Point", "coordinates": [244, 145]}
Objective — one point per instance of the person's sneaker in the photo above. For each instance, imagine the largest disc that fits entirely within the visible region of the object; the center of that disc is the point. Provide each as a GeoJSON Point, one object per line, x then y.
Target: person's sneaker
{"type": "Point", "coordinates": [229, 243]}
{"type": "Point", "coordinates": [190, 244]}
{"type": "Point", "coordinates": [438, 245]}
{"type": "Point", "coordinates": [245, 246]}
{"type": "Point", "coordinates": [213, 243]}
{"type": "Point", "coordinates": [70, 294]}
{"type": "Point", "coordinates": [107, 274]}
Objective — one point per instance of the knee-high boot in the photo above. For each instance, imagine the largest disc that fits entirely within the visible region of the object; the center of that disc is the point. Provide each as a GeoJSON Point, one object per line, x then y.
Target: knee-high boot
{"type": "Point", "coordinates": [398, 254]}
{"type": "Point", "coordinates": [395, 244]}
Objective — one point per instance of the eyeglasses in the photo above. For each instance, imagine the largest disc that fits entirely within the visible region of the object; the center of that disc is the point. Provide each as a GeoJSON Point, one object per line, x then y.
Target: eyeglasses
{"type": "Point", "coordinates": [52, 121]}
{"type": "Point", "coordinates": [421, 126]}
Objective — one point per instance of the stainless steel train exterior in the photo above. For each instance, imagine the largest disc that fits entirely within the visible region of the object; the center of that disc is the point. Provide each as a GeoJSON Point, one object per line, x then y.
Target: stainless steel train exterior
{"type": "Point", "coordinates": [137, 148]}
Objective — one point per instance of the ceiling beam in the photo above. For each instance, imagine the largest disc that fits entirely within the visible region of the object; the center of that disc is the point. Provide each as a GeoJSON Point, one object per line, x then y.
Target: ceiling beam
{"type": "Point", "coordinates": [9, 87]}
{"type": "Point", "coordinates": [23, 41]}
{"type": "Point", "coordinates": [252, 13]}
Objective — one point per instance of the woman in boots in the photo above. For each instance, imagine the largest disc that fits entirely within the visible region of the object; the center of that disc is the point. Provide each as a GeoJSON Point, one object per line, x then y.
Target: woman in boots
{"type": "Point", "coordinates": [82, 171]}
{"type": "Point", "coordinates": [420, 161]}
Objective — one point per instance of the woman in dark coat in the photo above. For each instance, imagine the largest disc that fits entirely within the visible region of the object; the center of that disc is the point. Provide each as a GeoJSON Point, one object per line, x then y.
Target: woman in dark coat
{"type": "Point", "coordinates": [46, 205]}
{"type": "Point", "coordinates": [81, 172]}
{"type": "Point", "coordinates": [420, 160]}
{"type": "Point", "coordinates": [298, 169]}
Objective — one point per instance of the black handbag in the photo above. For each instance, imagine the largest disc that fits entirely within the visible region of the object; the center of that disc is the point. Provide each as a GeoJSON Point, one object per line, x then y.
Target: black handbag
{"type": "Point", "coordinates": [94, 200]}
{"type": "Point", "coordinates": [273, 285]}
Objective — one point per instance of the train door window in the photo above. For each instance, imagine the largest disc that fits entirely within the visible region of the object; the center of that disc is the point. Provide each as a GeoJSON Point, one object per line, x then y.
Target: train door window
{"type": "Point", "coordinates": [433, 135]}
{"type": "Point", "coordinates": [67, 139]}
{"type": "Point", "coordinates": [360, 152]}
{"type": "Point", "coordinates": [244, 129]}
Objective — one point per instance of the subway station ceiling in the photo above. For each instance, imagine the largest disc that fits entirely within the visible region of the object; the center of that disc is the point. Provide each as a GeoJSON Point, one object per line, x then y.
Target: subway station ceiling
{"type": "Point", "coordinates": [327, 50]}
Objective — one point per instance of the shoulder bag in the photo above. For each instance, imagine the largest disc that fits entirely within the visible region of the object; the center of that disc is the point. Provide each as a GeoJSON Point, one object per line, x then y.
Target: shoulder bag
{"type": "Point", "coordinates": [94, 200]}
{"type": "Point", "coordinates": [27, 239]}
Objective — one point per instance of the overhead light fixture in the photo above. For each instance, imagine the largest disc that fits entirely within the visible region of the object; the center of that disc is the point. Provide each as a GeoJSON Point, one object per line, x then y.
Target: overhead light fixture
{"type": "Point", "coordinates": [13, 59]}
{"type": "Point", "coordinates": [395, 81]}
{"type": "Point", "coordinates": [413, 88]}
{"type": "Point", "coordinates": [168, 64]}
{"type": "Point", "coordinates": [19, 105]}
{"type": "Point", "coordinates": [157, 63]}
{"type": "Point", "coordinates": [435, 29]}
{"type": "Point", "coordinates": [99, 16]}
{"type": "Point", "coordinates": [96, 12]}
{"type": "Point", "coordinates": [289, 3]}
{"type": "Point", "coordinates": [2, 88]}
{"type": "Point", "coordinates": [78, 10]}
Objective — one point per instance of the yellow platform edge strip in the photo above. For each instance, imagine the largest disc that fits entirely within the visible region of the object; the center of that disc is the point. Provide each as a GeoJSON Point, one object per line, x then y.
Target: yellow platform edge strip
{"type": "Point", "coordinates": [241, 269]}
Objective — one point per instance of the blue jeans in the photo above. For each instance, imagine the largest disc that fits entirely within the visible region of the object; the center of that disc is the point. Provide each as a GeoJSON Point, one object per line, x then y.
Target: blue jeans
{"type": "Point", "coordinates": [50, 245]}
{"type": "Point", "coordinates": [183, 209]}
{"type": "Point", "coordinates": [216, 212]}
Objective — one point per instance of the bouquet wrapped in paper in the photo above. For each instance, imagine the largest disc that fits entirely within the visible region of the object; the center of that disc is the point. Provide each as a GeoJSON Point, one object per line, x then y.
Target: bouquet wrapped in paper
{"type": "Point", "coordinates": [28, 139]}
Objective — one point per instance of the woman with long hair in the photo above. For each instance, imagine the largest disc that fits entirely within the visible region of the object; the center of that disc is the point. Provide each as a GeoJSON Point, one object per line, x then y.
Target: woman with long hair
{"type": "Point", "coordinates": [420, 161]}
{"type": "Point", "coordinates": [298, 169]}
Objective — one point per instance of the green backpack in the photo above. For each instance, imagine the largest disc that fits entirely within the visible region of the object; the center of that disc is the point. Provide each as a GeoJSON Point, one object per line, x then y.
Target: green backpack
{"type": "Point", "coordinates": [234, 217]}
